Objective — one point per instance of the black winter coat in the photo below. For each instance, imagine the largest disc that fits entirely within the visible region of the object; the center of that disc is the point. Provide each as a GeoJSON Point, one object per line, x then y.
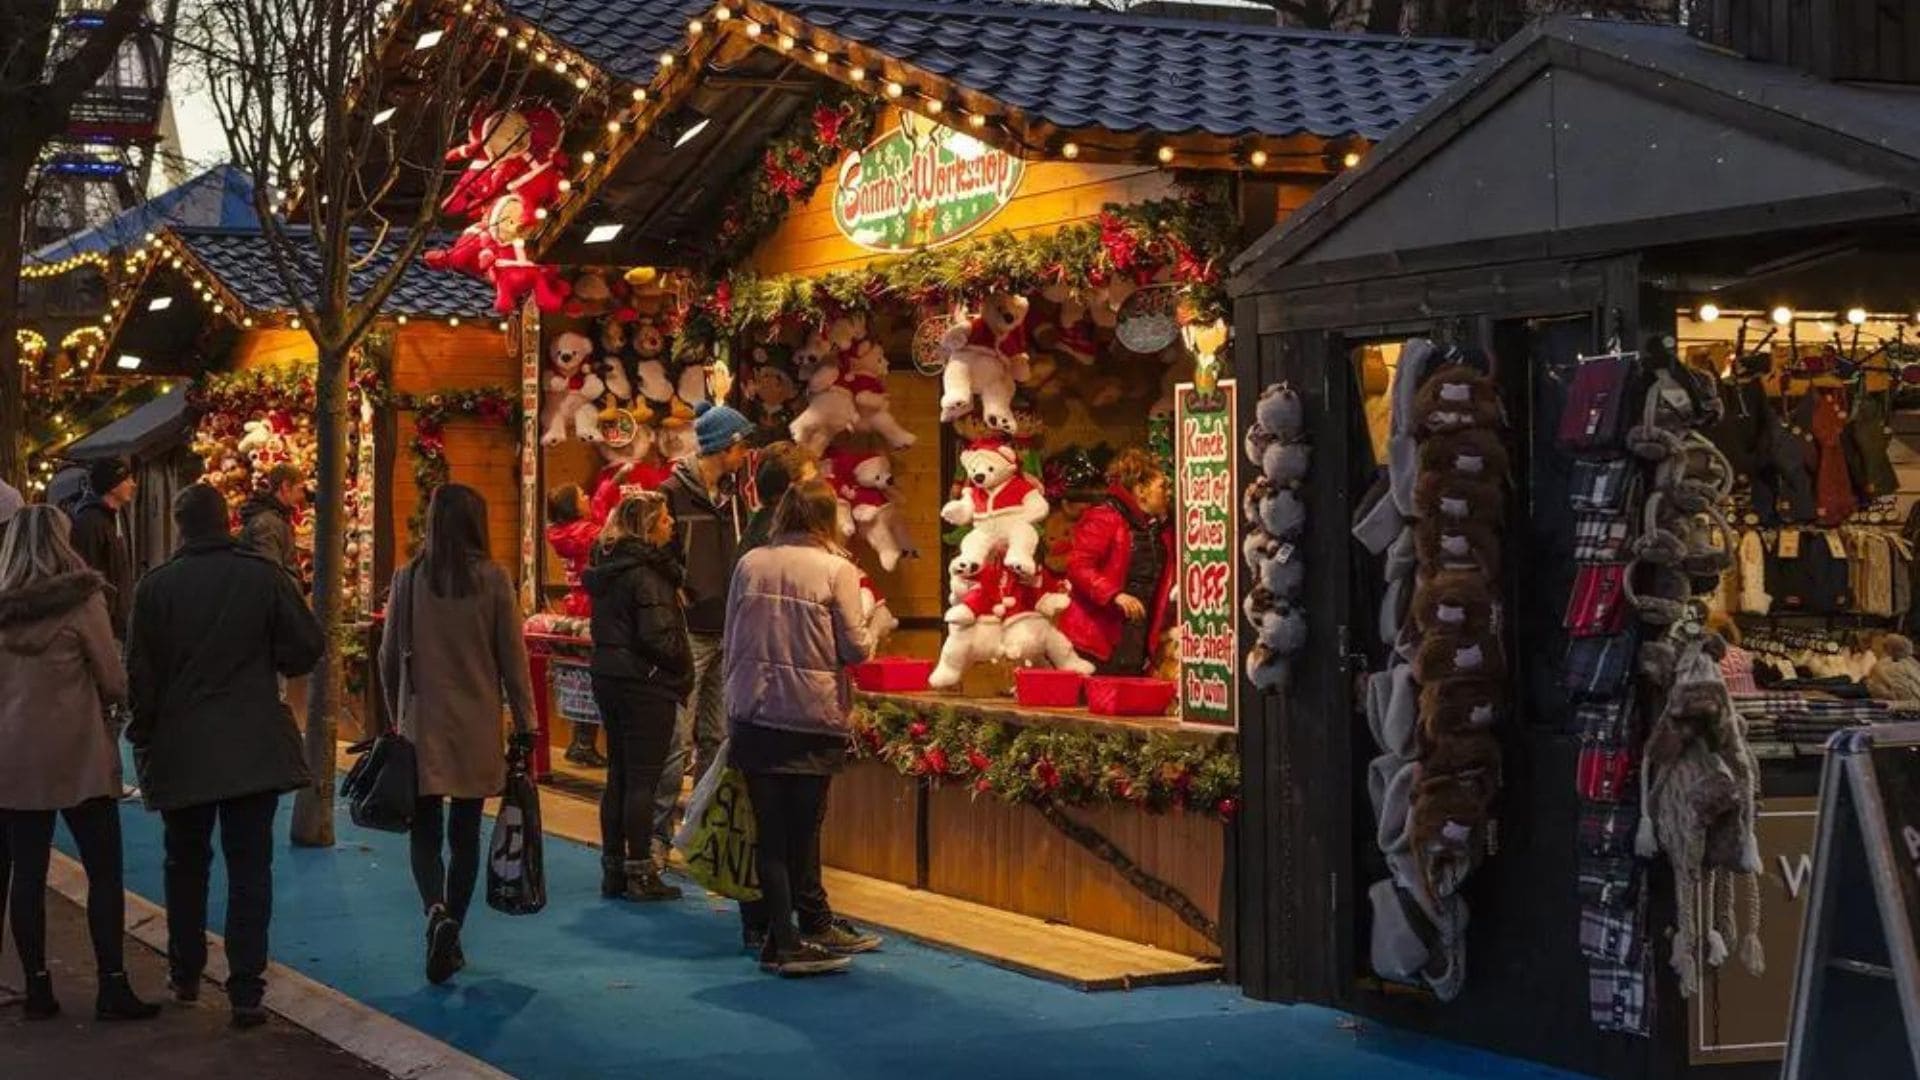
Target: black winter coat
{"type": "Point", "coordinates": [639, 620]}
{"type": "Point", "coordinates": [212, 628]}
{"type": "Point", "coordinates": [708, 535]}
{"type": "Point", "coordinates": [96, 536]}
{"type": "Point", "coordinates": [266, 528]}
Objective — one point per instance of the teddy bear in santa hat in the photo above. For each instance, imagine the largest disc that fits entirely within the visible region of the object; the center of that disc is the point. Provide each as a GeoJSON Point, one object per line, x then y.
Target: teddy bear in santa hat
{"type": "Point", "coordinates": [973, 621]}
{"type": "Point", "coordinates": [1004, 506]}
{"type": "Point", "coordinates": [1028, 636]}
{"type": "Point", "coordinates": [831, 410]}
{"type": "Point", "coordinates": [986, 356]}
{"type": "Point", "coordinates": [864, 484]}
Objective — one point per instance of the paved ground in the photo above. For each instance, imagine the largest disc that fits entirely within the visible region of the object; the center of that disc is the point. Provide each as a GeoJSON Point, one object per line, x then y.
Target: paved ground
{"type": "Point", "coordinates": [604, 989]}
{"type": "Point", "coordinates": [183, 1042]}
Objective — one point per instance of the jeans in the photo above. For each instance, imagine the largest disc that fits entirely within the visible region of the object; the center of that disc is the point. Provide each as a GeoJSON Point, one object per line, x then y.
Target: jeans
{"type": "Point", "coordinates": [246, 842]}
{"type": "Point", "coordinates": [787, 812]}
{"type": "Point", "coordinates": [699, 730]}
{"type": "Point", "coordinates": [809, 895]}
{"type": "Point", "coordinates": [95, 825]}
{"type": "Point", "coordinates": [640, 729]}
{"type": "Point", "coordinates": [448, 884]}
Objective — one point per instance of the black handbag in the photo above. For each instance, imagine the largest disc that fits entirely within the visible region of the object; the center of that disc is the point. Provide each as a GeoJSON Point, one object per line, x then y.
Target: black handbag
{"type": "Point", "coordinates": [384, 783]}
{"type": "Point", "coordinates": [516, 863]}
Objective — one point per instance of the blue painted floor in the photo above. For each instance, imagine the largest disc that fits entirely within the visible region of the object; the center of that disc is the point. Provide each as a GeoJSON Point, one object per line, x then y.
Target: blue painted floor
{"type": "Point", "coordinates": [593, 988]}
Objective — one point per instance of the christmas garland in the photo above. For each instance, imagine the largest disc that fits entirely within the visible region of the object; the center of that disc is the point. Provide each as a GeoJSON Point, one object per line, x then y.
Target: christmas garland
{"type": "Point", "coordinates": [1183, 240]}
{"type": "Point", "coordinates": [790, 169]}
{"type": "Point", "coordinates": [1057, 766]}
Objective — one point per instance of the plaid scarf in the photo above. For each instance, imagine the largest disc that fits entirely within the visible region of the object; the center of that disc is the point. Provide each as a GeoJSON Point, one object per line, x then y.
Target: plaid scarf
{"type": "Point", "coordinates": [1600, 536]}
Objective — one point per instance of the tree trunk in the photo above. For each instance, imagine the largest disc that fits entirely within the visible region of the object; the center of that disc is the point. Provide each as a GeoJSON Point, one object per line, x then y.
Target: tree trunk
{"type": "Point", "coordinates": [313, 806]}
{"type": "Point", "coordinates": [13, 414]}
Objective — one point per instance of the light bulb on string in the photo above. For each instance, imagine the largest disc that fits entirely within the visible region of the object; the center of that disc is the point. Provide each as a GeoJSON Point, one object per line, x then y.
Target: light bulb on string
{"type": "Point", "coordinates": [1709, 312]}
{"type": "Point", "coordinates": [1857, 316]}
{"type": "Point", "coordinates": [1782, 315]}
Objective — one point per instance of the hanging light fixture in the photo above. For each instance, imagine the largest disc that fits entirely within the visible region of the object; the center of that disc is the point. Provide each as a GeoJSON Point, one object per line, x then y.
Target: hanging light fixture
{"type": "Point", "coordinates": [1708, 312]}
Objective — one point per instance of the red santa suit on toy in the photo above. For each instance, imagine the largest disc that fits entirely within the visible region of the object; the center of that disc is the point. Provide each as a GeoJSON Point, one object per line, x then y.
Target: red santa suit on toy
{"type": "Point", "coordinates": [1028, 637]}
{"type": "Point", "coordinates": [1003, 505]}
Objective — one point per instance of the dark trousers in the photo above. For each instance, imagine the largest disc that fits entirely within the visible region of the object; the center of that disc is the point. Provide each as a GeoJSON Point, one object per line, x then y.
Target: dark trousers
{"type": "Point", "coordinates": [787, 813]}
{"type": "Point", "coordinates": [246, 843]}
{"type": "Point", "coordinates": [95, 825]}
{"type": "Point", "coordinates": [640, 729]}
{"type": "Point", "coordinates": [452, 825]}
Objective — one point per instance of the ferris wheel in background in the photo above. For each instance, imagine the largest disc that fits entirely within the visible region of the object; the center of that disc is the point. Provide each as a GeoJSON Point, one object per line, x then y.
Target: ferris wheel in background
{"type": "Point", "coordinates": [99, 166]}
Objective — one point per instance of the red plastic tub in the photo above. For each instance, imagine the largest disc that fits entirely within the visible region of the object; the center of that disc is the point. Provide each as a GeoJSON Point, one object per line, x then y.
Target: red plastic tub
{"type": "Point", "coordinates": [1113, 695]}
{"type": "Point", "coordinates": [892, 674]}
{"type": "Point", "coordinates": [1047, 688]}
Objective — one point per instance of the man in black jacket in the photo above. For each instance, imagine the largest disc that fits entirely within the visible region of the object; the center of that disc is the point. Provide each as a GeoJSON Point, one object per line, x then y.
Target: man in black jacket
{"type": "Point", "coordinates": [708, 523]}
{"type": "Point", "coordinates": [213, 630]}
{"type": "Point", "coordinates": [266, 519]}
{"type": "Point", "coordinates": [98, 537]}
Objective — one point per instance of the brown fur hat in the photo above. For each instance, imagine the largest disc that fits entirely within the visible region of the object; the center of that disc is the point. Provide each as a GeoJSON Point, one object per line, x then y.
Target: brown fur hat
{"type": "Point", "coordinates": [1441, 544]}
{"type": "Point", "coordinates": [1454, 602]}
{"type": "Point", "coordinates": [1449, 809]}
{"type": "Point", "coordinates": [1459, 656]}
{"type": "Point", "coordinates": [1479, 750]}
{"type": "Point", "coordinates": [1475, 453]}
{"type": "Point", "coordinates": [1455, 398]}
{"type": "Point", "coordinates": [1451, 496]}
{"type": "Point", "coordinates": [1459, 706]}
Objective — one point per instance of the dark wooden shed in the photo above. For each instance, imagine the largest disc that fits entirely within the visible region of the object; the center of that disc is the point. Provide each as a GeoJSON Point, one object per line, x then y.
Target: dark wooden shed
{"type": "Point", "coordinates": [1586, 183]}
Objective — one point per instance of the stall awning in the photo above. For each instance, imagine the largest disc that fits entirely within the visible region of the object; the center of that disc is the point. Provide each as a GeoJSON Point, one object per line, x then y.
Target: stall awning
{"type": "Point", "coordinates": [1584, 137]}
{"type": "Point", "coordinates": [145, 429]}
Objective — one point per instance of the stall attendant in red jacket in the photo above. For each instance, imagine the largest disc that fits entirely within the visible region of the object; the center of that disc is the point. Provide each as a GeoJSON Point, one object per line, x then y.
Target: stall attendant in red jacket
{"type": "Point", "coordinates": [1121, 567]}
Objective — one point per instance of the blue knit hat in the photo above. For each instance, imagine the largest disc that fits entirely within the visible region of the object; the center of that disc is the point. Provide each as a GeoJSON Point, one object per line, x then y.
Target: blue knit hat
{"type": "Point", "coordinates": [719, 427]}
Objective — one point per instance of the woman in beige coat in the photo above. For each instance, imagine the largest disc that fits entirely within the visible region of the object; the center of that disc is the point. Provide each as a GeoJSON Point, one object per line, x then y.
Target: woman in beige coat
{"type": "Point", "coordinates": [58, 667]}
{"type": "Point", "coordinates": [465, 661]}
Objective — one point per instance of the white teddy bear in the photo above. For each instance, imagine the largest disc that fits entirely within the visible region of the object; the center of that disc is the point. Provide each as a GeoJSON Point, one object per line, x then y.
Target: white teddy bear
{"type": "Point", "coordinates": [864, 483]}
{"type": "Point", "coordinates": [881, 622]}
{"type": "Point", "coordinates": [572, 388]}
{"type": "Point", "coordinates": [973, 625]}
{"type": "Point", "coordinates": [863, 372]}
{"type": "Point", "coordinates": [987, 357]}
{"type": "Point", "coordinates": [1028, 636]}
{"type": "Point", "coordinates": [830, 410]}
{"type": "Point", "coordinates": [1002, 504]}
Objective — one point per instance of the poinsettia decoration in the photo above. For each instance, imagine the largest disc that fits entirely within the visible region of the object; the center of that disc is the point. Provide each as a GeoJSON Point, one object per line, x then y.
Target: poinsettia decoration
{"type": "Point", "coordinates": [790, 169]}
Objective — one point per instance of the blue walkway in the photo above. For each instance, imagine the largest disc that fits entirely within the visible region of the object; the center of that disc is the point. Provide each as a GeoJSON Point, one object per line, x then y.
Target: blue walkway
{"type": "Point", "coordinates": [593, 988]}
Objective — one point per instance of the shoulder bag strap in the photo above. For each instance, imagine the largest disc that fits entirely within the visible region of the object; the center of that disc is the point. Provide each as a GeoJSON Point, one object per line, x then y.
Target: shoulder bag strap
{"type": "Point", "coordinates": [402, 625]}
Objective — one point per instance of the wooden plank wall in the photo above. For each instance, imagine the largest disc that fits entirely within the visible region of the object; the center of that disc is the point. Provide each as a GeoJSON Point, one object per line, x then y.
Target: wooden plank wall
{"type": "Point", "coordinates": [429, 357]}
{"type": "Point", "coordinates": [1838, 39]}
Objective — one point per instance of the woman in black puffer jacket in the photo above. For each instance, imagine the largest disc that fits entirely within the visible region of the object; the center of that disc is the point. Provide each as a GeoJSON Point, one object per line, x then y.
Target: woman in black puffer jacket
{"type": "Point", "coordinates": [642, 672]}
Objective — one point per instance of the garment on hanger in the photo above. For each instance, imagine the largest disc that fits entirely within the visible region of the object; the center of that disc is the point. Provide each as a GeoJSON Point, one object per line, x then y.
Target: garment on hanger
{"type": "Point", "coordinates": [1869, 437]}
{"type": "Point", "coordinates": [1783, 483]}
{"type": "Point", "coordinates": [1741, 432]}
{"type": "Point", "coordinates": [1822, 414]}
{"type": "Point", "coordinates": [1871, 571]}
{"type": "Point", "coordinates": [1807, 572]}
{"type": "Point", "coordinates": [1752, 563]}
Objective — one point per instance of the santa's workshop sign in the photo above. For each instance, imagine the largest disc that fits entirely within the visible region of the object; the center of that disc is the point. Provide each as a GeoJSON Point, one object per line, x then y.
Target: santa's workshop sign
{"type": "Point", "coordinates": [1204, 485]}
{"type": "Point", "coordinates": [921, 185]}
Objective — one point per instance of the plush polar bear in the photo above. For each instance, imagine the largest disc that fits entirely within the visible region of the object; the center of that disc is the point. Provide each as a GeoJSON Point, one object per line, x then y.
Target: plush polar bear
{"type": "Point", "coordinates": [987, 357]}
{"type": "Point", "coordinates": [572, 389]}
{"type": "Point", "coordinates": [864, 483]}
{"type": "Point", "coordinates": [830, 410]}
{"type": "Point", "coordinates": [881, 622]}
{"type": "Point", "coordinates": [1002, 504]}
{"type": "Point", "coordinates": [1028, 636]}
{"type": "Point", "coordinates": [973, 624]}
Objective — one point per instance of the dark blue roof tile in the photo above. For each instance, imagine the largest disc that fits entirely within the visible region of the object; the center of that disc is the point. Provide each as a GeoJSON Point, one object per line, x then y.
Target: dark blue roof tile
{"type": "Point", "coordinates": [244, 263]}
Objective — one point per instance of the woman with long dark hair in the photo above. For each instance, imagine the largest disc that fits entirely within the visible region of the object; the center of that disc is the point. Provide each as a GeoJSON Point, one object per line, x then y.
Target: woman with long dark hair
{"type": "Point", "coordinates": [642, 673]}
{"type": "Point", "coordinates": [466, 655]}
{"type": "Point", "coordinates": [795, 623]}
{"type": "Point", "coordinates": [58, 666]}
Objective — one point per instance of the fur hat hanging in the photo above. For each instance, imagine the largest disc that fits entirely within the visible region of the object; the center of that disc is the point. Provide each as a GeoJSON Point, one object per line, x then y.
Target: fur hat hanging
{"type": "Point", "coordinates": [1896, 675]}
{"type": "Point", "coordinates": [1273, 505]}
{"type": "Point", "coordinates": [1473, 453]}
{"type": "Point", "coordinates": [1455, 398]}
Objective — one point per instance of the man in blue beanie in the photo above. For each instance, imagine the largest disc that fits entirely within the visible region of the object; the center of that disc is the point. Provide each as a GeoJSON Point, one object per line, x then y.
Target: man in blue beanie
{"type": "Point", "coordinates": [708, 522]}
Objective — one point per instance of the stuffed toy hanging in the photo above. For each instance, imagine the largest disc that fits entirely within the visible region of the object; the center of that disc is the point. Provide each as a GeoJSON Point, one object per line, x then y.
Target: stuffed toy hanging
{"type": "Point", "coordinates": [986, 357]}
{"type": "Point", "coordinates": [1276, 445]}
{"type": "Point", "coordinates": [1003, 506]}
{"type": "Point", "coordinates": [863, 482]}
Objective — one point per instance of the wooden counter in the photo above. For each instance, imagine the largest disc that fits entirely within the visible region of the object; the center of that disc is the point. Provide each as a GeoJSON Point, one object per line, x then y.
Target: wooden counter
{"type": "Point", "coordinates": [1008, 856]}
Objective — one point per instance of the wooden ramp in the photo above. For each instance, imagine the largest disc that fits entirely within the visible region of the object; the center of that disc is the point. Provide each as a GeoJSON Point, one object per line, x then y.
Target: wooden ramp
{"type": "Point", "coordinates": [1064, 954]}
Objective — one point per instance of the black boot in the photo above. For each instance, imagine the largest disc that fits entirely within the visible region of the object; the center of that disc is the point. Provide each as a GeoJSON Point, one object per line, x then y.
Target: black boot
{"type": "Point", "coordinates": [443, 942]}
{"type": "Point", "coordinates": [644, 884]}
{"type": "Point", "coordinates": [613, 877]}
{"type": "Point", "coordinates": [117, 1001]}
{"type": "Point", "coordinates": [41, 1004]}
{"type": "Point", "coordinates": [584, 751]}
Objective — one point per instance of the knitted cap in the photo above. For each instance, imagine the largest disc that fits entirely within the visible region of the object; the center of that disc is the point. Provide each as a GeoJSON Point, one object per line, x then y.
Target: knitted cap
{"type": "Point", "coordinates": [107, 473]}
{"type": "Point", "coordinates": [718, 427]}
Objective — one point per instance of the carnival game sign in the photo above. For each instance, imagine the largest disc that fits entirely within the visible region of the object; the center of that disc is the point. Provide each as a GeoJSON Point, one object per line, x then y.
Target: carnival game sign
{"type": "Point", "coordinates": [921, 185]}
{"type": "Point", "coordinates": [1204, 503]}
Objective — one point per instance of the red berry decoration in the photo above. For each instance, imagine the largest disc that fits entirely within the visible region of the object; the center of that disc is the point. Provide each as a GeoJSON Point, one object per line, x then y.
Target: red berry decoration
{"type": "Point", "coordinates": [1227, 808]}
{"type": "Point", "coordinates": [917, 729]}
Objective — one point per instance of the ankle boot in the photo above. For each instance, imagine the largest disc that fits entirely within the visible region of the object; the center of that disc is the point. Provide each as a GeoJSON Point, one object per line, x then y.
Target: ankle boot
{"type": "Point", "coordinates": [117, 1001]}
{"type": "Point", "coordinates": [644, 884]}
{"type": "Point", "coordinates": [41, 1004]}
{"type": "Point", "coordinates": [613, 877]}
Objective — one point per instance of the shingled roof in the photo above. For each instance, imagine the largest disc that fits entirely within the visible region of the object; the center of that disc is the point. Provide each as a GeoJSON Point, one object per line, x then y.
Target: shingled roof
{"type": "Point", "coordinates": [242, 260]}
{"type": "Point", "coordinates": [1081, 68]}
